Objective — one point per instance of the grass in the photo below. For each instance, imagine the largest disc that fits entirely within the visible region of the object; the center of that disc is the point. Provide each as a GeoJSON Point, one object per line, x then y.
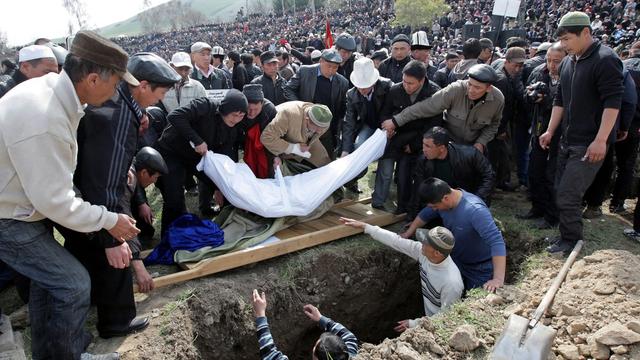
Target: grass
{"type": "Point", "coordinates": [171, 307]}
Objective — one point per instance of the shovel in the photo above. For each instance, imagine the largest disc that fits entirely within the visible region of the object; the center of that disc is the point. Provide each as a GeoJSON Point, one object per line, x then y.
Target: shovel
{"type": "Point", "coordinates": [525, 339]}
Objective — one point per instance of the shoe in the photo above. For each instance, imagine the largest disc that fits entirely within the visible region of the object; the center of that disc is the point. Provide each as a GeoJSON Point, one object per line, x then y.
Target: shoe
{"type": "Point", "coordinates": [543, 224]}
{"type": "Point", "coordinates": [529, 215]}
{"type": "Point", "coordinates": [632, 234]}
{"type": "Point", "coordinates": [592, 212]}
{"type": "Point", "coordinates": [551, 240]}
{"type": "Point", "coordinates": [508, 187]}
{"type": "Point", "coordinates": [561, 246]}
{"type": "Point", "coordinates": [353, 188]}
{"type": "Point", "coordinates": [110, 356]}
{"type": "Point", "coordinates": [379, 207]}
{"type": "Point", "coordinates": [617, 208]}
{"type": "Point", "coordinates": [135, 325]}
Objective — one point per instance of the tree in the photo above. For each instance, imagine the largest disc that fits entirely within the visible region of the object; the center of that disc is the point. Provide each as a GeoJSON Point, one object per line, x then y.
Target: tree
{"type": "Point", "coordinates": [419, 13]}
{"type": "Point", "coordinates": [78, 11]}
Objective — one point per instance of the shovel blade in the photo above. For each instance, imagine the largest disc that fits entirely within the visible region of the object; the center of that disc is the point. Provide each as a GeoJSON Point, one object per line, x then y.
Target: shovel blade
{"type": "Point", "coordinates": [536, 346]}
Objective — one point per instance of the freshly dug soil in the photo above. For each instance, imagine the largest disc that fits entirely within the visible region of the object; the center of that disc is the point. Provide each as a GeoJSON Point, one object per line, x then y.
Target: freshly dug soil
{"type": "Point", "coordinates": [362, 285]}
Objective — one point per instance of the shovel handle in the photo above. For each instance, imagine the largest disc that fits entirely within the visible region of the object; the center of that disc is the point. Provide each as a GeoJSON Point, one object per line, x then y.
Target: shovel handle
{"type": "Point", "coordinates": [551, 293]}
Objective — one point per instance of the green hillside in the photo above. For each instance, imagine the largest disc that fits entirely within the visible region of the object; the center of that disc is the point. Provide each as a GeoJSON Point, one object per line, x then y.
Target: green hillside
{"type": "Point", "coordinates": [214, 10]}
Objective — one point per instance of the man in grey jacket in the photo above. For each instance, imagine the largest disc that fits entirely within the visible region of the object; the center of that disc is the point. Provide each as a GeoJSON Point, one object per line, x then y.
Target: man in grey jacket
{"type": "Point", "coordinates": [472, 109]}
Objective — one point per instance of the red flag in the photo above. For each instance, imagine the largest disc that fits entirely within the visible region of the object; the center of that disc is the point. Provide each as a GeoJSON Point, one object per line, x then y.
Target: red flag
{"type": "Point", "coordinates": [329, 39]}
{"type": "Point", "coordinates": [246, 27]}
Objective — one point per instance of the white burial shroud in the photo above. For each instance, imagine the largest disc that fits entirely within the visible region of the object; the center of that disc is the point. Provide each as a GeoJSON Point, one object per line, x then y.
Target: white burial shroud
{"type": "Point", "coordinates": [295, 195]}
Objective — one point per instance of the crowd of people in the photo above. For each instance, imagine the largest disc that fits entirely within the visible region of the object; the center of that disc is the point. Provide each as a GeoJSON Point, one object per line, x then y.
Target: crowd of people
{"type": "Point", "coordinates": [459, 115]}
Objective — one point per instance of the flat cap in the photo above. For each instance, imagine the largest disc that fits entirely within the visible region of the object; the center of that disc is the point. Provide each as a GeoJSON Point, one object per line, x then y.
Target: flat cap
{"type": "Point", "coordinates": [315, 55]}
{"type": "Point", "coordinates": [152, 68]}
{"type": "Point", "coordinates": [150, 158]}
{"type": "Point", "coordinates": [574, 18]}
{"type": "Point", "coordinates": [380, 54]}
{"type": "Point", "coordinates": [346, 41]}
{"type": "Point", "coordinates": [199, 46]}
{"type": "Point", "coordinates": [253, 93]}
{"type": "Point", "coordinates": [483, 73]}
{"type": "Point", "coordinates": [320, 115]}
{"type": "Point", "coordinates": [268, 57]}
{"type": "Point", "coordinates": [516, 55]}
{"type": "Point", "coordinates": [399, 38]}
{"type": "Point", "coordinates": [92, 47]}
{"type": "Point", "coordinates": [332, 55]}
{"type": "Point", "coordinates": [439, 238]}
{"type": "Point", "coordinates": [544, 46]}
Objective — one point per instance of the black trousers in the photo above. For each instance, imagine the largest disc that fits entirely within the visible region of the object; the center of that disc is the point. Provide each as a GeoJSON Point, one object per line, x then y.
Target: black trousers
{"type": "Point", "coordinates": [542, 174]}
{"type": "Point", "coordinates": [111, 288]}
{"type": "Point", "coordinates": [172, 188]}
{"type": "Point", "coordinates": [499, 156]}
{"type": "Point", "coordinates": [573, 177]}
{"type": "Point", "coordinates": [599, 189]}
{"type": "Point", "coordinates": [626, 155]}
{"type": "Point", "coordinates": [405, 166]}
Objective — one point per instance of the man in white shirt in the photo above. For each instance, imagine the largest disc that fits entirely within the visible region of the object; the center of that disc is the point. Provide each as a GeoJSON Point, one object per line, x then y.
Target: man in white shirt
{"type": "Point", "coordinates": [439, 276]}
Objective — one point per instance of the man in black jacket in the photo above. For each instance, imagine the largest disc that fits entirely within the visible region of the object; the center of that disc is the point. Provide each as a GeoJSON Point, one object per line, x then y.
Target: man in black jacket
{"type": "Point", "coordinates": [208, 75]}
{"type": "Point", "coordinates": [193, 130]}
{"type": "Point", "coordinates": [271, 81]}
{"type": "Point", "coordinates": [404, 146]}
{"type": "Point", "coordinates": [461, 165]}
{"type": "Point", "coordinates": [392, 67]}
{"type": "Point", "coordinates": [253, 71]}
{"type": "Point", "coordinates": [513, 118]}
{"type": "Point", "coordinates": [441, 76]}
{"type": "Point", "coordinates": [107, 143]}
{"type": "Point", "coordinates": [541, 90]}
{"type": "Point", "coordinates": [260, 112]}
{"type": "Point", "coordinates": [364, 103]}
{"type": "Point", "coordinates": [346, 46]}
{"type": "Point", "coordinates": [586, 106]}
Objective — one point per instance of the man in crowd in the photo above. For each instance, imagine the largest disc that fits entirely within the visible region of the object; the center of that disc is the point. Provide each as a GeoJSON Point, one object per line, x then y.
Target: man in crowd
{"type": "Point", "coordinates": [194, 129]}
{"type": "Point", "coordinates": [346, 46]}
{"type": "Point", "coordinates": [295, 131]}
{"type": "Point", "coordinates": [336, 343]}
{"type": "Point", "coordinates": [272, 83]}
{"type": "Point", "coordinates": [471, 49]}
{"type": "Point", "coordinates": [238, 72]}
{"type": "Point", "coordinates": [472, 108]}
{"type": "Point", "coordinates": [404, 146]}
{"type": "Point", "coordinates": [253, 71]}
{"type": "Point", "coordinates": [487, 51]}
{"type": "Point", "coordinates": [321, 84]}
{"type": "Point", "coordinates": [440, 278]}
{"type": "Point", "coordinates": [541, 90]}
{"type": "Point", "coordinates": [33, 61]}
{"type": "Point", "coordinates": [441, 76]}
{"type": "Point", "coordinates": [378, 57]}
{"type": "Point", "coordinates": [260, 113]}
{"type": "Point", "coordinates": [364, 103]}
{"type": "Point", "coordinates": [514, 118]}
{"type": "Point", "coordinates": [208, 75]}
{"type": "Point", "coordinates": [37, 172]}
{"type": "Point", "coordinates": [284, 67]}
{"type": "Point", "coordinates": [591, 91]}
{"type": "Point", "coordinates": [217, 60]}
{"type": "Point", "coordinates": [185, 90]}
{"type": "Point", "coordinates": [107, 144]}
{"type": "Point", "coordinates": [480, 252]}
{"type": "Point", "coordinates": [392, 67]}
{"type": "Point", "coordinates": [534, 61]}
{"type": "Point", "coordinates": [461, 166]}
{"type": "Point", "coordinates": [421, 51]}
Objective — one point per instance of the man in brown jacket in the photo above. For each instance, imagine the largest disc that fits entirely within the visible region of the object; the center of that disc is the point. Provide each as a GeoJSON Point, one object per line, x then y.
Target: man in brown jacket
{"type": "Point", "coordinates": [294, 133]}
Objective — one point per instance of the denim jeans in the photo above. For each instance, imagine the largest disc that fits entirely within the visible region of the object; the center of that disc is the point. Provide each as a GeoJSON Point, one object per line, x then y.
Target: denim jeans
{"type": "Point", "coordinates": [60, 288]}
{"type": "Point", "coordinates": [384, 176]}
{"type": "Point", "coordinates": [363, 135]}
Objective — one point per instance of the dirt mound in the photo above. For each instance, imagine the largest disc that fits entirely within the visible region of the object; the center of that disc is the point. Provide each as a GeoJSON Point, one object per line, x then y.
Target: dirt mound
{"type": "Point", "coordinates": [596, 313]}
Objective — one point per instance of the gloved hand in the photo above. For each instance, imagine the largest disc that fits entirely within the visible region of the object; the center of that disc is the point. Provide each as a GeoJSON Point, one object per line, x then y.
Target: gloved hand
{"type": "Point", "coordinates": [296, 150]}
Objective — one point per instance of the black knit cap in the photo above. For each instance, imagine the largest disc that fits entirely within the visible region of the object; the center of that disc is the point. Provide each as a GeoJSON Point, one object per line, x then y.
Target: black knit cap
{"type": "Point", "coordinates": [253, 93]}
{"type": "Point", "coordinates": [233, 101]}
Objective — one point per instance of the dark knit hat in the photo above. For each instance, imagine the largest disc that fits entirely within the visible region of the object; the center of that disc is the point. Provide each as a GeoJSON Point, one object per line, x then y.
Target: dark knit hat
{"type": "Point", "coordinates": [253, 93]}
{"type": "Point", "coordinates": [90, 46]}
{"type": "Point", "coordinates": [439, 238]}
{"type": "Point", "coordinates": [233, 101]}
{"type": "Point", "coordinates": [401, 37]}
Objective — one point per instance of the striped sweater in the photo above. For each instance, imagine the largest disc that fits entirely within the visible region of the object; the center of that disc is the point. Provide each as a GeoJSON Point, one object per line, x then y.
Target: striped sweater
{"type": "Point", "coordinates": [441, 283]}
{"type": "Point", "coordinates": [269, 351]}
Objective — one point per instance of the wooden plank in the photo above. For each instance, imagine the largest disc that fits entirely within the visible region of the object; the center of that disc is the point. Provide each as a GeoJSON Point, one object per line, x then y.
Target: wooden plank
{"type": "Point", "coordinates": [253, 255]}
